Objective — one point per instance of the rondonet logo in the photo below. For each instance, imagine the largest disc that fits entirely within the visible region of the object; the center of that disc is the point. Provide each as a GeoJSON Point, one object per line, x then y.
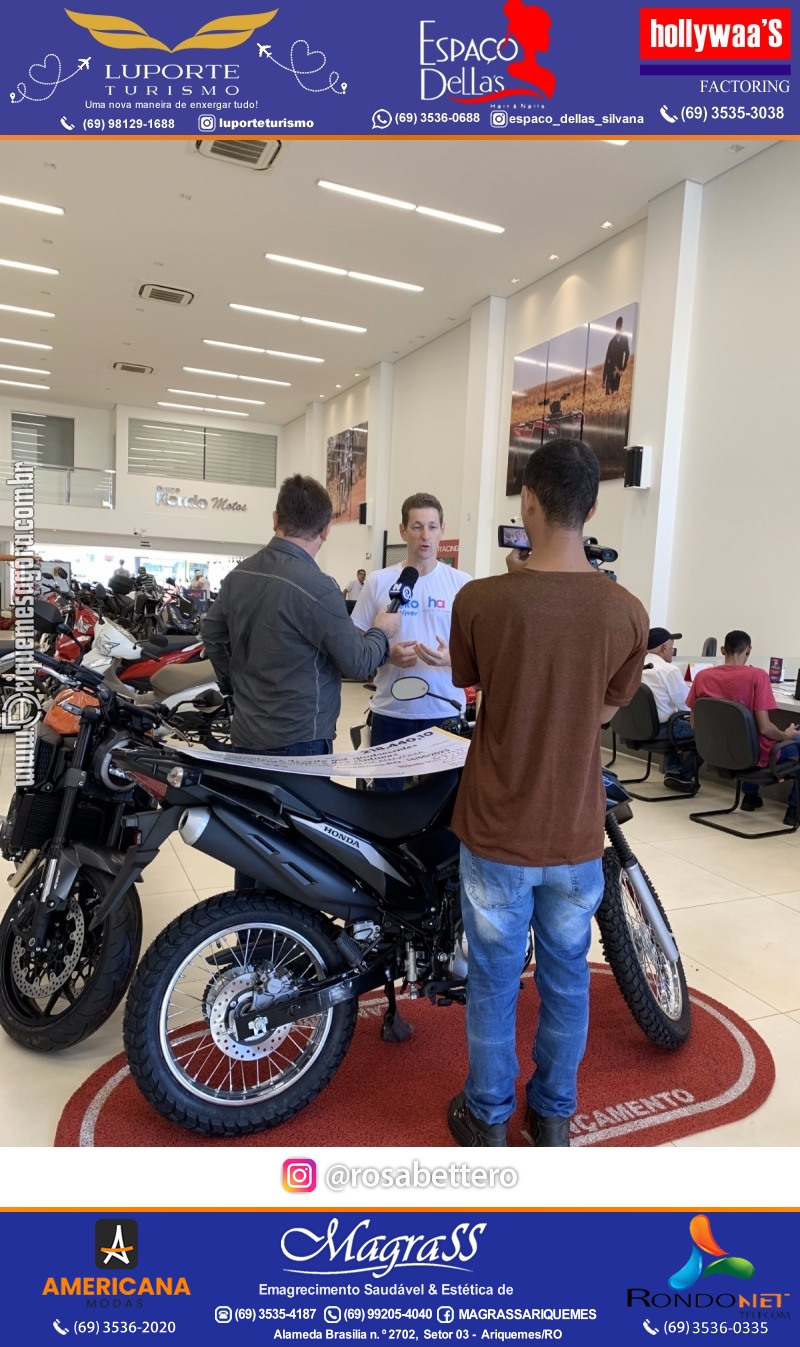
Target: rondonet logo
{"type": "Point", "coordinates": [755, 1304]}
{"type": "Point", "coordinates": [334, 1253]}
{"type": "Point", "coordinates": [112, 31]}
{"type": "Point", "coordinates": [721, 34]}
{"type": "Point", "coordinates": [473, 69]}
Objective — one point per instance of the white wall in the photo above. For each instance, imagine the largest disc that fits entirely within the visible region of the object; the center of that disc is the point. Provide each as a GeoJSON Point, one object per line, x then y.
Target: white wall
{"type": "Point", "coordinates": [430, 394]}
{"type": "Point", "coordinates": [94, 430]}
{"type": "Point", "coordinates": [606, 278]}
{"type": "Point", "coordinates": [740, 470]}
{"type": "Point", "coordinates": [346, 548]}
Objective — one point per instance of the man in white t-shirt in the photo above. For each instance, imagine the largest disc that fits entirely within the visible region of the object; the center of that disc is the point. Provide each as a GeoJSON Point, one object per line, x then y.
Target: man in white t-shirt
{"type": "Point", "coordinates": [352, 591]}
{"type": "Point", "coordinates": [669, 689]}
{"type": "Point", "coordinates": [421, 650]}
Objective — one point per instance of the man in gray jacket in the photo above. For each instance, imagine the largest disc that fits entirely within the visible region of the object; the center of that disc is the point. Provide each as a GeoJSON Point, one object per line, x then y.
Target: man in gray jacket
{"type": "Point", "coordinates": [280, 637]}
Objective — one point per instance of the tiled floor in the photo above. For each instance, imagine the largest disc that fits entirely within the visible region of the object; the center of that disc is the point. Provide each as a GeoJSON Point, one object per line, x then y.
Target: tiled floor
{"type": "Point", "coordinates": [734, 905]}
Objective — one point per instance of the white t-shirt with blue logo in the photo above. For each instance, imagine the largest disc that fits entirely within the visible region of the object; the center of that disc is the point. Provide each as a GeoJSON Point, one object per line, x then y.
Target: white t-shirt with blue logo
{"type": "Point", "coordinates": [427, 616]}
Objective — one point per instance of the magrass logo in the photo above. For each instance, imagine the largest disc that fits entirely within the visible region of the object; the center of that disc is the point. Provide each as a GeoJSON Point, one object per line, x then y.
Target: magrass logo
{"type": "Point", "coordinates": [695, 1267]}
{"type": "Point", "coordinates": [116, 1244]}
{"type": "Point", "coordinates": [112, 31]}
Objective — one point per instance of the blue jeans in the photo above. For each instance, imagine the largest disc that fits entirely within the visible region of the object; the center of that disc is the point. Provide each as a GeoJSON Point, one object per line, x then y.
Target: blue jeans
{"type": "Point", "coordinates": [384, 729]}
{"type": "Point", "coordinates": [499, 903]}
{"type": "Point", "coordinates": [788, 754]}
{"type": "Point", "coordinates": [311, 748]}
{"type": "Point", "coordinates": [681, 764]}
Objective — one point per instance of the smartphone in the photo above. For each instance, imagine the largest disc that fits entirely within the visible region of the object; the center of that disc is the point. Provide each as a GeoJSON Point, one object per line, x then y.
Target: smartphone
{"type": "Point", "coordinates": [512, 535]}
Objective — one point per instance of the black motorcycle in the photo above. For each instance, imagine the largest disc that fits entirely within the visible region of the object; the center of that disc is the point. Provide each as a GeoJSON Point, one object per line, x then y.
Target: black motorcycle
{"type": "Point", "coordinates": [67, 953]}
{"type": "Point", "coordinates": [243, 1008]}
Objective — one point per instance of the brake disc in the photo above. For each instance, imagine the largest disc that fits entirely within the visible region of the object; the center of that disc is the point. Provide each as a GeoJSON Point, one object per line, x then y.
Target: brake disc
{"type": "Point", "coordinates": [40, 976]}
{"type": "Point", "coordinates": [221, 1004]}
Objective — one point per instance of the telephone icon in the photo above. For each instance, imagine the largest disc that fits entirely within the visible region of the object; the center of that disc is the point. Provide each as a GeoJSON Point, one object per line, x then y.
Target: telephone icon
{"type": "Point", "coordinates": [59, 1329]}
{"type": "Point", "coordinates": [648, 1329]}
{"type": "Point", "coordinates": [68, 126]}
{"type": "Point", "coordinates": [666, 114]}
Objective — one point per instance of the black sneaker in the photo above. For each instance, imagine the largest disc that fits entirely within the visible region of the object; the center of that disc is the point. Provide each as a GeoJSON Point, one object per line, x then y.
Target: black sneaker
{"type": "Point", "coordinates": [677, 783]}
{"type": "Point", "coordinates": [790, 817]}
{"type": "Point", "coordinates": [750, 803]}
{"type": "Point", "coordinates": [469, 1130]}
{"type": "Point", "coordinates": [552, 1131]}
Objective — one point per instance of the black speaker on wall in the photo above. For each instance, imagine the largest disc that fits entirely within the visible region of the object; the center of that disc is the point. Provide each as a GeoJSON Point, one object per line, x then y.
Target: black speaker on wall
{"type": "Point", "coordinates": [365, 512]}
{"type": "Point", "coordinates": [638, 460]}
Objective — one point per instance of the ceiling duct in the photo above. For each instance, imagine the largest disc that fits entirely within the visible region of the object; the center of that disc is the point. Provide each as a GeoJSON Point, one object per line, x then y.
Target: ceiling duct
{"type": "Point", "coordinates": [128, 368]}
{"type": "Point", "coordinates": [260, 155]}
{"type": "Point", "coordinates": [166, 294]}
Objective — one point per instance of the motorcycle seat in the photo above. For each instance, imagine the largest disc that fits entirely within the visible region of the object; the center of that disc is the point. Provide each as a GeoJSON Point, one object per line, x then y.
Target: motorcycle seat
{"type": "Point", "coordinates": [377, 813]}
{"type": "Point", "coordinates": [176, 677]}
{"type": "Point", "coordinates": [172, 643]}
{"type": "Point", "coordinates": [6, 647]}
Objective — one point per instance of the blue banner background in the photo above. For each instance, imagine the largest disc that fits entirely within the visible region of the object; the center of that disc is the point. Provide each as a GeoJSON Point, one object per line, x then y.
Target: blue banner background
{"type": "Point", "coordinates": [331, 70]}
{"type": "Point", "coordinates": [550, 1260]}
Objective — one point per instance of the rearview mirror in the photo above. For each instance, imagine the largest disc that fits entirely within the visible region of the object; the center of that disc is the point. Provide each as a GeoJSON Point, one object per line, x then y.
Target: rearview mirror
{"type": "Point", "coordinates": [409, 689]}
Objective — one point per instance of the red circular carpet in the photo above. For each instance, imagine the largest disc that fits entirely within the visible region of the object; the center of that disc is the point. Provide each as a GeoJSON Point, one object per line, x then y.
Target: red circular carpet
{"type": "Point", "coordinates": [395, 1094]}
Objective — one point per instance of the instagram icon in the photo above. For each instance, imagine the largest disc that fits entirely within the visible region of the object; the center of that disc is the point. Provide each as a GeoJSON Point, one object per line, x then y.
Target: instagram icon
{"type": "Point", "coordinates": [299, 1176]}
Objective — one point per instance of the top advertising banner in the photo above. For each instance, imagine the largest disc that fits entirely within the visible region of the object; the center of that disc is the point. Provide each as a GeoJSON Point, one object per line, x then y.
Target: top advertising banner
{"type": "Point", "coordinates": [503, 68]}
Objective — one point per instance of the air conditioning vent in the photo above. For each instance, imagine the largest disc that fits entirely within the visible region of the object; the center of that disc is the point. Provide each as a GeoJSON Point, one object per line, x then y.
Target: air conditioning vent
{"type": "Point", "coordinates": [166, 294]}
{"type": "Point", "coordinates": [132, 369]}
{"type": "Point", "coordinates": [254, 154]}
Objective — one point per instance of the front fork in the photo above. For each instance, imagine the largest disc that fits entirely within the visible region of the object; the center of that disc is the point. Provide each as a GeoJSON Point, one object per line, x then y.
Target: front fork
{"type": "Point", "coordinates": [59, 872]}
{"type": "Point", "coordinates": [661, 932]}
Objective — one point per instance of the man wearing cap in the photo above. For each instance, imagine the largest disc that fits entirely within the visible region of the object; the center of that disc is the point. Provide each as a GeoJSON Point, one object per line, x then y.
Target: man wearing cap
{"type": "Point", "coordinates": [670, 689]}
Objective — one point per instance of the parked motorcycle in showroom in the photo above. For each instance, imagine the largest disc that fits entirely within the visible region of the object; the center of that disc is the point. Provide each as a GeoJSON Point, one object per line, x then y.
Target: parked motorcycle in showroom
{"type": "Point", "coordinates": [67, 953]}
{"type": "Point", "coordinates": [243, 1008]}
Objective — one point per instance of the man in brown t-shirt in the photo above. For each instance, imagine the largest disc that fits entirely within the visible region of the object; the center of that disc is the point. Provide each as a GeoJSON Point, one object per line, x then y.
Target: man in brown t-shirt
{"type": "Point", "coordinates": [556, 647]}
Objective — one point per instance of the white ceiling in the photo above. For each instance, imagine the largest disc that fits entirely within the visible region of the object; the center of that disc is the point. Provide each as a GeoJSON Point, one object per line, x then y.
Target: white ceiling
{"type": "Point", "coordinates": [148, 211]}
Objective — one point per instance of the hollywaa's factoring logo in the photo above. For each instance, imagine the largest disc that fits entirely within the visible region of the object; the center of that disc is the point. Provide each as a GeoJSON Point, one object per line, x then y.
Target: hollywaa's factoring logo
{"type": "Point", "coordinates": [464, 67]}
{"type": "Point", "coordinates": [112, 31]}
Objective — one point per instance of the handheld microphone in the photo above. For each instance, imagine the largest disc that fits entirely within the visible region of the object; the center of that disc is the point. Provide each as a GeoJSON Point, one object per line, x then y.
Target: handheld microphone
{"type": "Point", "coordinates": [403, 588]}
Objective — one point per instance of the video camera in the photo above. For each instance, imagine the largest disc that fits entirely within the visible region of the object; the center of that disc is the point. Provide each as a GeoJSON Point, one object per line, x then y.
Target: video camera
{"type": "Point", "coordinates": [514, 535]}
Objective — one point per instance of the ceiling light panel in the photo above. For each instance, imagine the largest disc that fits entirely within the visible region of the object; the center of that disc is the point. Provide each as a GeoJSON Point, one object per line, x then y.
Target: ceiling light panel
{"type": "Point", "coordinates": [224, 374]}
{"type": "Point", "coordinates": [340, 271]}
{"type": "Point", "coordinates": [25, 369]}
{"type": "Point", "coordinates": [16, 383]}
{"type": "Point", "coordinates": [296, 318]}
{"type": "Point", "coordinates": [35, 313]}
{"type": "Point", "coordinates": [34, 345]}
{"type": "Point", "coordinates": [410, 206]}
{"type": "Point", "coordinates": [30, 205]}
{"type": "Point", "coordinates": [27, 266]}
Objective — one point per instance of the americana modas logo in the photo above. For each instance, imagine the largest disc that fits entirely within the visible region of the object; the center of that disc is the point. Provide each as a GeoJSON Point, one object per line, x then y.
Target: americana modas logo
{"type": "Point", "coordinates": [116, 1244]}
{"type": "Point", "coordinates": [697, 1266]}
{"type": "Point", "coordinates": [112, 31]}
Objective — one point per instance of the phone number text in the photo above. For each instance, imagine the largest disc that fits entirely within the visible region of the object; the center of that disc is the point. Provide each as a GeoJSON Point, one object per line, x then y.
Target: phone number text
{"type": "Point", "coordinates": [129, 124]}
{"type": "Point", "coordinates": [692, 1327]}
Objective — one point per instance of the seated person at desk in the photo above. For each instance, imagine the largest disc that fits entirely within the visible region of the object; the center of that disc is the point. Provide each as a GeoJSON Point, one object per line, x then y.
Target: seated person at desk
{"type": "Point", "coordinates": [669, 688]}
{"type": "Point", "coordinates": [736, 681]}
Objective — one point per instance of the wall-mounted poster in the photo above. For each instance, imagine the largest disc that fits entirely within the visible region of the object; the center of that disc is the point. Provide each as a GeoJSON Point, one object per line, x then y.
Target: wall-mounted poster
{"type": "Point", "coordinates": [346, 472]}
{"type": "Point", "coordinates": [575, 386]}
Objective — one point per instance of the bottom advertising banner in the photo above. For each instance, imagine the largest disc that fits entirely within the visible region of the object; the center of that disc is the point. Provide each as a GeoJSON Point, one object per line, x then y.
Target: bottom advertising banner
{"type": "Point", "coordinates": [371, 1276]}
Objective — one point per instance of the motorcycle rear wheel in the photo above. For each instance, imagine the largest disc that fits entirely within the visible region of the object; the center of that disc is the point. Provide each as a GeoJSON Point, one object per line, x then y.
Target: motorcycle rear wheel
{"type": "Point", "coordinates": [54, 1006]}
{"type": "Point", "coordinates": [654, 988]}
{"type": "Point", "coordinates": [181, 1052]}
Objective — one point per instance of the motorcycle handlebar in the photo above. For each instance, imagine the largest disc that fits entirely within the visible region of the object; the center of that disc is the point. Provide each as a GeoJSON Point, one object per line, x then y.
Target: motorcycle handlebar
{"type": "Point", "coordinates": [74, 672]}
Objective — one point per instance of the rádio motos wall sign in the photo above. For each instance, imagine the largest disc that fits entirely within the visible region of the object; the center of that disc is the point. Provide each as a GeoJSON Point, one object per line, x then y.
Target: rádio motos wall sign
{"type": "Point", "coordinates": [171, 496]}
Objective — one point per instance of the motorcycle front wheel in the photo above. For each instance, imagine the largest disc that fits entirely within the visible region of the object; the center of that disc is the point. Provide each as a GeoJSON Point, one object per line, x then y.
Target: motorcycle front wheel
{"type": "Point", "coordinates": [209, 964]}
{"type": "Point", "coordinates": [653, 986]}
{"type": "Point", "coordinates": [54, 999]}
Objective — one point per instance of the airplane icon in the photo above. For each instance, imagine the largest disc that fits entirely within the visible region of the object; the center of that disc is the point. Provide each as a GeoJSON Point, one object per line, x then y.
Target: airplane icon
{"type": "Point", "coordinates": [264, 50]}
{"type": "Point", "coordinates": [83, 63]}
